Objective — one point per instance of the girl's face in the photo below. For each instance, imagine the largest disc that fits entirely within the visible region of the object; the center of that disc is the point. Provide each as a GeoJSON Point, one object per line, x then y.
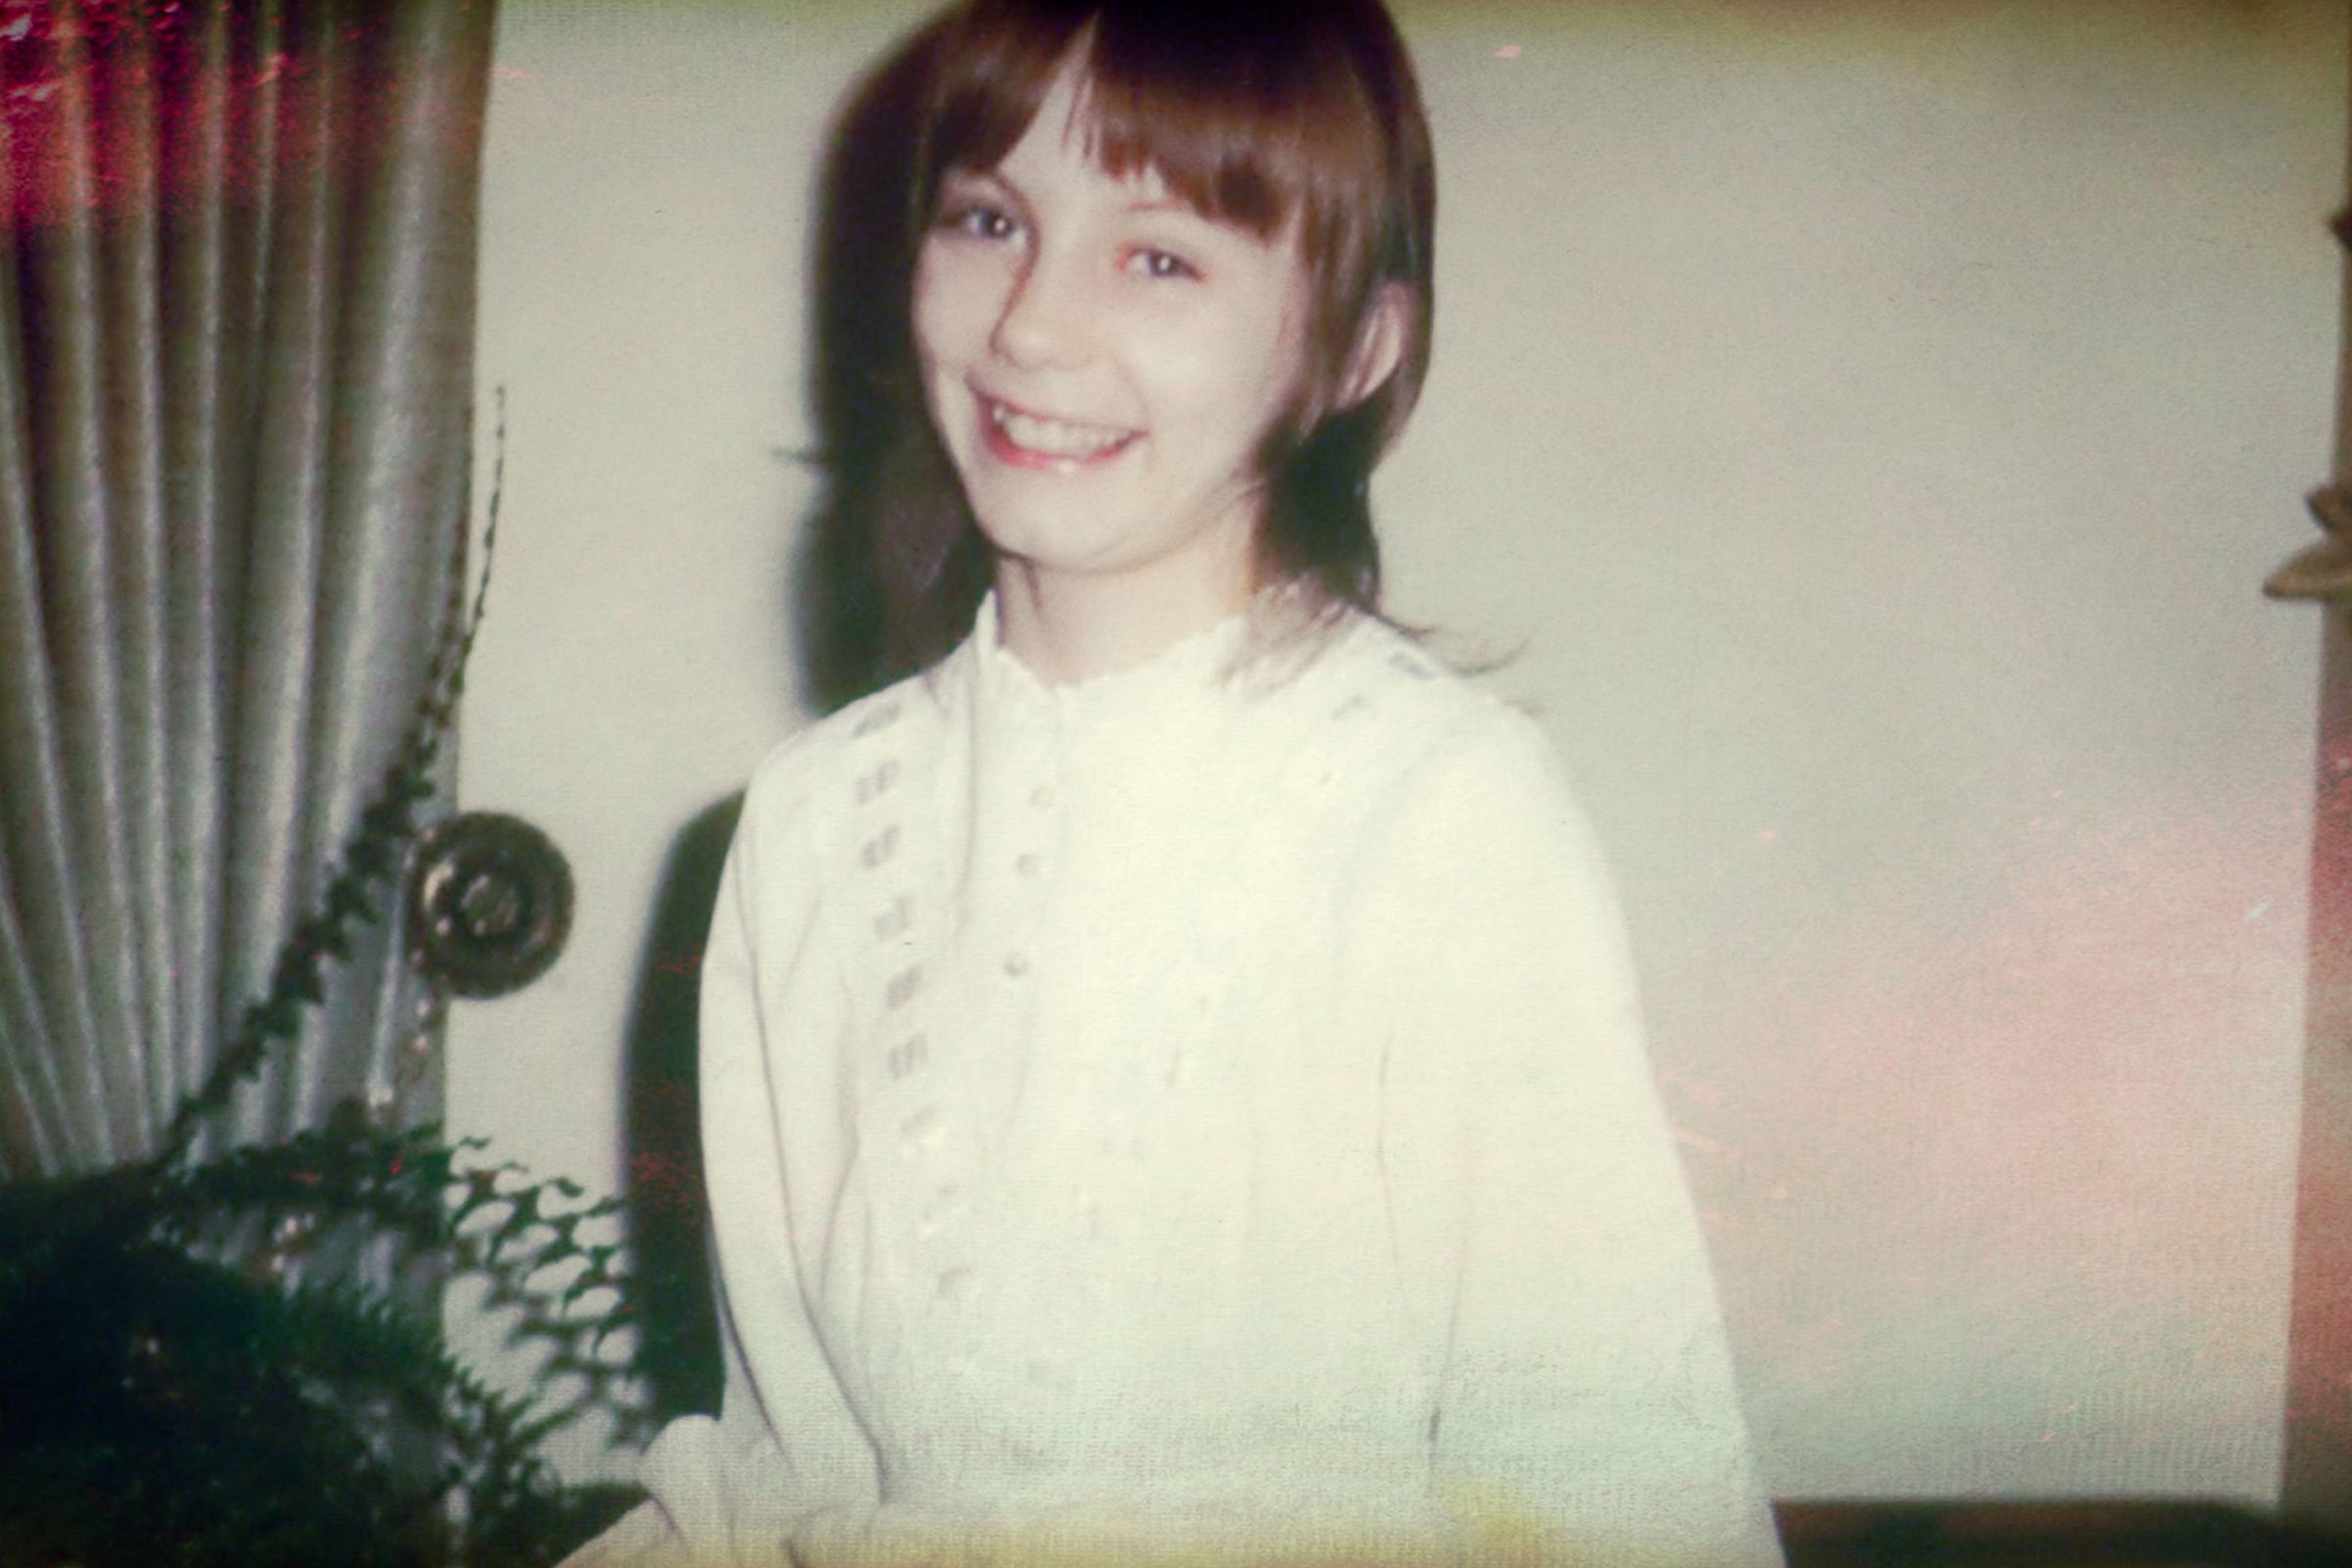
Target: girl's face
{"type": "Point", "coordinates": [1102, 363]}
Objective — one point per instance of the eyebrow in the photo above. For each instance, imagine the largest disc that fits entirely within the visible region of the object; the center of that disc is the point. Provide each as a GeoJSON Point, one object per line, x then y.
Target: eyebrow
{"type": "Point", "coordinates": [1167, 203]}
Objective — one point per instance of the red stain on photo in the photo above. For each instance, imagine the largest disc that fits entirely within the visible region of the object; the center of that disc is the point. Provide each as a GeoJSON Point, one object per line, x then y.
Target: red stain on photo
{"type": "Point", "coordinates": [120, 112]}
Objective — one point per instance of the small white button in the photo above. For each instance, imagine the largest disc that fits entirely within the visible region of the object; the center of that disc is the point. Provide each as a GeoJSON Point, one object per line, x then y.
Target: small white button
{"type": "Point", "coordinates": [944, 1203]}
{"type": "Point", "coordinates": [1042, 797]}
{"type": "Point", "coordinates": [1028, 864]}
{"type": "Point", "coordinates": [956, 1283]}
{"type": "Point", "coordinates": [1016, 964]}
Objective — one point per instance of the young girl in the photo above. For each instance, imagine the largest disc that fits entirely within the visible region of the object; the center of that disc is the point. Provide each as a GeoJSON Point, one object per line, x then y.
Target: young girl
{"type": "Point", "coordinates": [1172, 1087]}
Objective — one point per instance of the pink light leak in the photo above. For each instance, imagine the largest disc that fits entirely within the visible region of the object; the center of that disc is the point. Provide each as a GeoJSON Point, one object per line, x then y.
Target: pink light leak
{"type": "Point", "coordinates": [2035, 1156]}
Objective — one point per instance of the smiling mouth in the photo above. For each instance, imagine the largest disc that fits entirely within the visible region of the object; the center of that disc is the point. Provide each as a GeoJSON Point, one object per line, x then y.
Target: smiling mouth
{"type": "Point", "coordinates": [1019, 436]}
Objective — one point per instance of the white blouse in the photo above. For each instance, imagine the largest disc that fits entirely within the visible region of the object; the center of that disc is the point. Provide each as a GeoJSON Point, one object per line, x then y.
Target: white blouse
{"type": "Point", "coordinates": [1201, 1110]}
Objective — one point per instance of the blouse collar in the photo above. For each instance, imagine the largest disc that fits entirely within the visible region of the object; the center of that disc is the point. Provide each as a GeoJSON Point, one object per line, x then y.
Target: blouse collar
{"type": "Point", "coordinates": [1188, 688]}
{"type": "Point", "coordinates": [1190, 669]}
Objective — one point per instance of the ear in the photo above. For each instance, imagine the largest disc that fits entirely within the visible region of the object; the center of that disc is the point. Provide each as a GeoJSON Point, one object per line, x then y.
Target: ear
{"type": "Point", "coordinates": [1380, 347]}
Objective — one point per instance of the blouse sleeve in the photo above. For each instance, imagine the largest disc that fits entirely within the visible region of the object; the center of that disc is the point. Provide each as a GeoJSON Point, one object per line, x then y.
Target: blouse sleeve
{"type": "Point", "coordinates": [1585, 1393]}
{"type": "Point", "coordinates": [784, 1449]}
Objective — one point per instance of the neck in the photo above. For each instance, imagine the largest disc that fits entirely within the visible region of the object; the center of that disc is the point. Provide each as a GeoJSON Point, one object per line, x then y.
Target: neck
{"type": "Point", "coordinates": [1069, 627]}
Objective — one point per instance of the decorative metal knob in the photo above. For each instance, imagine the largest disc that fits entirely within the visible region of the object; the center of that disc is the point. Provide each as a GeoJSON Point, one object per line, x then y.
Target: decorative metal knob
{"type": "Point", "coordinates": [490, 898]}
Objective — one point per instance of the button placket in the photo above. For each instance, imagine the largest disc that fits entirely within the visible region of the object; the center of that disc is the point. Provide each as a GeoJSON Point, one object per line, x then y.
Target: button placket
{"type": "Point", "coordinates": [906, 1102]}
{"type": "Point", "coordinates": [882, 717]}
{"type": "Point", "coordinates": [947, 1204]}
{"type": "Point", "coordinates": [880, 849]}
{"type": "Point", "coordinates": [909, 1056]}
{"type": "Point", "coordinates": [894, 918]}
{"type": "Point", "coordinates": [1033, 825]}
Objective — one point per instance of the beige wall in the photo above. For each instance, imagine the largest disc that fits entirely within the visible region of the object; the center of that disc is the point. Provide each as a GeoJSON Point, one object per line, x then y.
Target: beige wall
{"type": "Point", "coordinates": [1870, 422]}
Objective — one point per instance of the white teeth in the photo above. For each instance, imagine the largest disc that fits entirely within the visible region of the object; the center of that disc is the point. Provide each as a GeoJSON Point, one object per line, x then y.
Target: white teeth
{"type": "Point", "coordinates": [1055, 438]}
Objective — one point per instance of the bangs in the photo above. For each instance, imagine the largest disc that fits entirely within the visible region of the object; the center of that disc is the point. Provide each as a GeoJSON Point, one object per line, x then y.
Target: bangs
{"type": "Point", "coordinates": [1251, 115]}
{"type": "Point", "coordinates": [1293, 121]}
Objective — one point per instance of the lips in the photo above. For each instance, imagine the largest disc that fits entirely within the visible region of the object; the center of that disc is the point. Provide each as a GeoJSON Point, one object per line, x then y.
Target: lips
{"type": "Point", "coordinates": [1035, 440]}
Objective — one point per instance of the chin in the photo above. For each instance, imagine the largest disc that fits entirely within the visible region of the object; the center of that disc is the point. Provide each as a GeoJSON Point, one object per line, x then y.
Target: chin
{"type": "Point", "coordinates": [1053, 544]}
{"type": "Point", "coordinates": [1019, 520]}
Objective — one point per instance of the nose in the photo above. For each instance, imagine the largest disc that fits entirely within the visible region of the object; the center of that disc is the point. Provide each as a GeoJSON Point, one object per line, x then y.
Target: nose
{"type": "Point", "coordinates": [1046, 321]}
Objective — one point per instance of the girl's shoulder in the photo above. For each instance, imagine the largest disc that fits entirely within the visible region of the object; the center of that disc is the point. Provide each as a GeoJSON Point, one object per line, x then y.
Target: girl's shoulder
{"type": "Point", "coordinates": [1394, 709]}
{"type": "Point", "coordinates": [1448, 782]}
{"type": "Point", "coordinates": [853, 754]}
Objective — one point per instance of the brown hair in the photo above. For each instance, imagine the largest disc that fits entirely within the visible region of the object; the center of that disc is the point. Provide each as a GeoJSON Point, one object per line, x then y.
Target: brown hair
{"type": "Point", "coordinates": [1262, 114]}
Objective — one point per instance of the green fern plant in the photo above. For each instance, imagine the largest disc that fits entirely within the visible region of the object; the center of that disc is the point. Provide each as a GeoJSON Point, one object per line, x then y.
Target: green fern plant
{"type": "Point", "coordinates": [185, 1386]}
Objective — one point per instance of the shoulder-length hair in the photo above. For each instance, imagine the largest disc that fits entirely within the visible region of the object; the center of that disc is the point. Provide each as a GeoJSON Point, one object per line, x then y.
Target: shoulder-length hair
{"type": "Point", "coordinates": [1262, 114]}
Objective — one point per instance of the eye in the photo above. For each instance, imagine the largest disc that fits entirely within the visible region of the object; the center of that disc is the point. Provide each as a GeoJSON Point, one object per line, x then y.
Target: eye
{"type": "Point", "coordinates": [978, 219]}
{"type": "Point", "coordinates": [1163, 265]}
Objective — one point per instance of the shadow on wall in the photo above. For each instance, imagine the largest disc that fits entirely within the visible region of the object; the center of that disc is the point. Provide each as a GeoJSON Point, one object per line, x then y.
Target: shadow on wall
{"type": "Point", "coordinates": [859, 355]}
{"type": "Point", "coordinates": [669, 1221]}
{"type": "Point", "coordinates": [861, 359]}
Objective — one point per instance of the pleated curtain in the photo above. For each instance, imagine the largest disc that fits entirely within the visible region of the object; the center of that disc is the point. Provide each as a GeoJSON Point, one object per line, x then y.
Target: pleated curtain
{"type": "Point", "coordinates": [236, 321]}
